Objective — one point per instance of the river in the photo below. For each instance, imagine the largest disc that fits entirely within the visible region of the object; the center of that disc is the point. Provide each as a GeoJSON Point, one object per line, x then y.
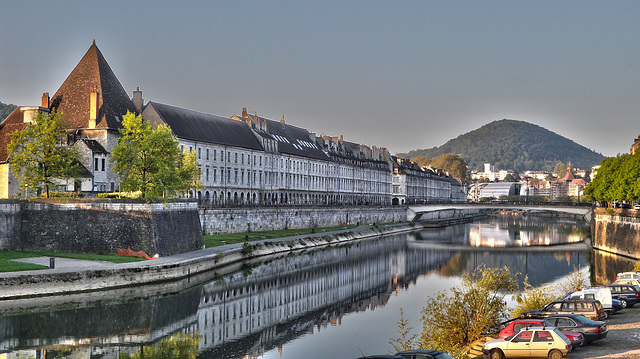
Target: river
{"type": "Point", "coordinates": [335, 302]}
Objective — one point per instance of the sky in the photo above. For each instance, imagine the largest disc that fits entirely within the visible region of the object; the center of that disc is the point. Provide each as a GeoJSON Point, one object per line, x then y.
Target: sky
{"type": "Point", "coordinates": [403, 75]}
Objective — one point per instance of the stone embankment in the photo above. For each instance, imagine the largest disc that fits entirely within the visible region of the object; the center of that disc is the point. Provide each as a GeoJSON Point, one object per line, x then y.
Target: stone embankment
{"type": "Point", "coordinates": [182, 266]}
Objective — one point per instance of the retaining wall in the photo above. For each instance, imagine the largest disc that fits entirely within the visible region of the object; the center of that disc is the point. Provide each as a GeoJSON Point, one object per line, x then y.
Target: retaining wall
{"type": "Point", "coordinates": [617, 232]}
{"type": "Point", "coordinates": [237, 220]}
{"type": "Point", "coordinates": [100, 226]}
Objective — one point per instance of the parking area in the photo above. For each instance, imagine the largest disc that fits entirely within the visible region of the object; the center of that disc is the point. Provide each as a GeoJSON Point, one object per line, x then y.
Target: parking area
{"type": "Point", "coordinates": [623, 340]}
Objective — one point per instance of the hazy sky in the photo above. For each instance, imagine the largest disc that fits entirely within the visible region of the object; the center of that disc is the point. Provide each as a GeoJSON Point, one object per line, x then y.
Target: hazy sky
{"type": "Point", "coordinates": [398, 74]}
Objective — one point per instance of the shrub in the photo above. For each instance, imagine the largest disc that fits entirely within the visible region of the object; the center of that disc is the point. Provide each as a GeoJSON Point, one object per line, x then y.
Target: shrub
{"type": "Point", "coordinates": [533, 298]}
{"type": "Point", "coordinates": [247, 249]}
{"type": "Point", "coordinates": [179, 346]}
{"type": "Point", "coordinates": [454, 319]}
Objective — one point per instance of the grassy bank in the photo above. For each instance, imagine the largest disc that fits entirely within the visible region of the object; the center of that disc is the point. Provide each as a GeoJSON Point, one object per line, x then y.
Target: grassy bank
{"type": "Point", "coordinates": [7, 265]}
{"type": "Point", "coordinates": [221, 239]}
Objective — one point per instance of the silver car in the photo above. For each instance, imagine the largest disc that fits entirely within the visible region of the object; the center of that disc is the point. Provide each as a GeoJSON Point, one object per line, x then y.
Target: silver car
{"type": "Point", "coordinates": [530, 343]}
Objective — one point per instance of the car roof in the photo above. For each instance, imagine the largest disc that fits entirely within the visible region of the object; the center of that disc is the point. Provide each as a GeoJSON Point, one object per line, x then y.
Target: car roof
{"type": "Point", "coordinates": [420, 351]}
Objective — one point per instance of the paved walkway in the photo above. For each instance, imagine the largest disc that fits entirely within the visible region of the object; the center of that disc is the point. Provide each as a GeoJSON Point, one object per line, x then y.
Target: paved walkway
{"type": "Point", "coordinates": [67, 265]}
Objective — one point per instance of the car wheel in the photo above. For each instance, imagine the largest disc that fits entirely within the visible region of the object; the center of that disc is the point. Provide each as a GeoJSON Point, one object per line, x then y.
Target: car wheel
{"type": "Point", "coordinates": [496, 354]}
{"type": "Point", "coordinates": [555, 354]}
{"type": "Point", "coordinates": [624, 303]}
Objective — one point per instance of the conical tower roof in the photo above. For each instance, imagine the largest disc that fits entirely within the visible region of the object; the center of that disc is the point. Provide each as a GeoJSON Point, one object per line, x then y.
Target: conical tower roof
{"type": "Point", "coordinates": [73, 98]}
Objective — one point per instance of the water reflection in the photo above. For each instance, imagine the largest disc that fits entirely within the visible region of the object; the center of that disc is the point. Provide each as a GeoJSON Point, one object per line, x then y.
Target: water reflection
{"type": "Point", "coordinates": [288, 300]}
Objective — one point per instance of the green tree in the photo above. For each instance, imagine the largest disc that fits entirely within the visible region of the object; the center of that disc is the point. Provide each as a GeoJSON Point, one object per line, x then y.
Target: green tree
{"type": "Point", "coordinates": [560, 170]}
{"type": "Point", "coordinates": [454, 164]}
{"type": "Point", "coordinates": [5, 110]}
{"type": "Point", "coordinates": [148, 160]}
{"type": "Point", "coordinates": [618, 178]}
{"type": "Point", "coordinates": [39, 154]}
{"type": "Point", "coordinates": [178, 346]}
{"type": "Point", "coordinates": [455, 318]}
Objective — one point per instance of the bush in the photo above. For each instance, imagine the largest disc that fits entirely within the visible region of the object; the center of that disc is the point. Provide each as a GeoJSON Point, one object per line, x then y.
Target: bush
{"type": "Point", "coordinates": [533, 298]}
{"type": "Point", "coordinates": [179, 346]}
{"type": "Point", "coordinates": [108, 195]}
{"type": "Point", "coordinates": [454, 319]}
{"type": "Point", "coordinates": [247, 249]}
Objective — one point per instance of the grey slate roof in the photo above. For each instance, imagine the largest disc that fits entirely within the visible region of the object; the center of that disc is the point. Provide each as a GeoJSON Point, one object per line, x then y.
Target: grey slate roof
{"type": "Point", "coordinates": [94, 146]}
{"type": "Point", "coordinates": [292, 140]}
{"type": "Point", "coordinates": [202, 127]}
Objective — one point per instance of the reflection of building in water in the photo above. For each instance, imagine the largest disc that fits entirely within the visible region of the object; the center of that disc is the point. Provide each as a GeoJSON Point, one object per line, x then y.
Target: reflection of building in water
{"type": "Point", "coordinates": [505, 231]}
{"type": "Point", "coordinates": [306, 291]}
{"type": "Point", "coordinates": [248, 312]}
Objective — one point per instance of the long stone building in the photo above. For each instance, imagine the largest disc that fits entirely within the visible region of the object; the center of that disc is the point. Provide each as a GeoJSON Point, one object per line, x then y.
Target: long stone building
{"type": "Point", "coordinates": [245, 160]}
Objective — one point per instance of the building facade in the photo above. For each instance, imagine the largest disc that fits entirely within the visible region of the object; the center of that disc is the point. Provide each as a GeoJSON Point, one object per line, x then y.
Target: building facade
{"type": "Point", "coordinates": [245, 160]}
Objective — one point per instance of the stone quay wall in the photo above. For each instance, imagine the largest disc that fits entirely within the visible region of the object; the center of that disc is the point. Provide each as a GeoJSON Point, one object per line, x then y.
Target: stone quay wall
{"type": "Point", "coordinates": [100, 226]}
{"type": "Point", "coordinates": [238, 220]}
{"type": "Point", "coordinates": [617, 231]}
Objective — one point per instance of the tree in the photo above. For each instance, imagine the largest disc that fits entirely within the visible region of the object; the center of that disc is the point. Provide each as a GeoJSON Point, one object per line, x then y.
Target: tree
{"type": "Point", "coordinates": [454, 164]}
{"type": "Point", "coordinates": [39, 153]}
{"type": "Point", "coordinates": [407, 340]}
{"type": "Point", "coordinates": [148, 160]}
{"type": "Point", "coordinates": [560, 170]}
{"type": "Point", "coordinates": [178, 346]}
{"type": "Point", "coordinates": [456, 318]}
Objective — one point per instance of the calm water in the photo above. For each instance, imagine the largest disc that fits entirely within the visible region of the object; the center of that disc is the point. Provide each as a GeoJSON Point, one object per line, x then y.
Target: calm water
{"type": "Point", "coordinates": [332, 302]}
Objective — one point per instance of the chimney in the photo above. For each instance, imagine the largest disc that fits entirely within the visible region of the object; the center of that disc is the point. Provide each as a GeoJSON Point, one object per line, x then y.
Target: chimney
{"type": "Point", "coordinates": [282, 121]}
{"type": "Point", "coordinates": [244, 112]}
{"type": "Point", "coordinates": [138, 101]}
{"type": "Point", "coordinates": [46, 101]}
{"type": "Point", "coordinates": [94, 107]}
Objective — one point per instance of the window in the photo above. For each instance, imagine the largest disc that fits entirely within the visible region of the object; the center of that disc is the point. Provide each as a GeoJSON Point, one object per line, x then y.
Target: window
{"type": "Point", "coordinates": [207, 175]}
{"type": "Point", "coordinates": [542, 336]}
{"type": "Point", "coordinates": [215, 155]}
{"type": "Point", "coordinates": [95, 164]}
{"type": "Point", "coordinates": [236, 157]}
{"type": "Point", "coordinates": [523, 337]}
{"type": "Point", "coordinates": [207, 154]}
{"type": "Point", "coordinates": [199, 153]}
{"type": "Point", "coordinates": [103, 165]}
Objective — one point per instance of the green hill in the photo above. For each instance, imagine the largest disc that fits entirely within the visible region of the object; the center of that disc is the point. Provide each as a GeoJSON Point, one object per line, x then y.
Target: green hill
{"type": "Point", "coordinates": [518, 145]}
{"type": "Point", "coordinates": [5, 110]}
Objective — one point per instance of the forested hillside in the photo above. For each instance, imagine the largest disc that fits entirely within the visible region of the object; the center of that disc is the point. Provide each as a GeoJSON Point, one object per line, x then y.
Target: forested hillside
{"type": "Point", "coordinates": [5, 110]}
{"type": "Point", "coordinates": [517, 145]}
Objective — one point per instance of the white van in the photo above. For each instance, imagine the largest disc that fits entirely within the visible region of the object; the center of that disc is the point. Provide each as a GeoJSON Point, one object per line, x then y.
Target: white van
{"type": "Point", "coordinates": [602, 294]}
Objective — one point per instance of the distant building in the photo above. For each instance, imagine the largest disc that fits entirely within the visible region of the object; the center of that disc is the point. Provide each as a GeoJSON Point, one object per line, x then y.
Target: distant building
{"type": "Point", "coordinates": [412, 184]}
{"type": "Point", "coordinates": [497, 190]}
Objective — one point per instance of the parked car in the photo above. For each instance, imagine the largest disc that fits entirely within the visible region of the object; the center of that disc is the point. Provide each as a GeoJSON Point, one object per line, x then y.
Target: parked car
{"type": "Point", "coordinates": [529, 343]}
{"type": "Point", "coordinates": [635, 282]}
{"type": "Point", "coordinates": [590, 308]}
{"type": "Point", "coordinates": [382, 356]}
{"type": "Point", "coordinates": [628, 275]}
{"type": "Point", "coordinates": [424, 354]}
{"type": "Point", "coordinates": [602, 294]}
{"type": "Point", "coordinates": [577, 339]}
{"type": "Point", "coordinates": [591, 329]}
{"type": "Point", "coordinates": [628, 294]}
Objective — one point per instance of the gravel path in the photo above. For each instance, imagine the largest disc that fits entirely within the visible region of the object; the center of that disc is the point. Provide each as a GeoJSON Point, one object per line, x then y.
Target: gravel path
{"type": "Point", "coordinates": [623, 340]}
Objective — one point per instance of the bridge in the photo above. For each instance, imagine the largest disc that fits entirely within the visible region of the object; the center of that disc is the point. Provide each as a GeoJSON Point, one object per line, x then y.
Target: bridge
{"type": "Point", "coordinates": [416, 213]}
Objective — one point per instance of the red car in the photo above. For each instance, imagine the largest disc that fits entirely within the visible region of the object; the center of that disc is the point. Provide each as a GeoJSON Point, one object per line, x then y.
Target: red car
{"type": "Point", "coordinates": [577, 339]}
